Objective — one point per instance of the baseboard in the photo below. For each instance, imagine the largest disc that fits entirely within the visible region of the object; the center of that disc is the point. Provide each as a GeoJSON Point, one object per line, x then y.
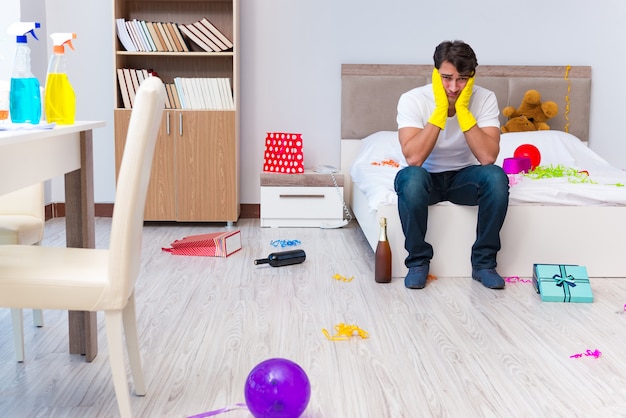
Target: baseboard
{"type": "Point", "coordinates": [250, 210]}
{"type": "Point", "coordinates": [105, 210]}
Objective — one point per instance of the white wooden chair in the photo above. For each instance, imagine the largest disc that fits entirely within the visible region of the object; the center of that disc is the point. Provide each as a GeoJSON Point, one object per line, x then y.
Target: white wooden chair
{"type": "Point", "coordinates": [22, 220]}
{"type": "Point", "coordinates": [86, 279]}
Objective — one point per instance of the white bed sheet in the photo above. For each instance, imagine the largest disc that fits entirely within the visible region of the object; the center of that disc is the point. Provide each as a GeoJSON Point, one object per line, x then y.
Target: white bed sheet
{"type": "Point", "coordinates": [605, 189]}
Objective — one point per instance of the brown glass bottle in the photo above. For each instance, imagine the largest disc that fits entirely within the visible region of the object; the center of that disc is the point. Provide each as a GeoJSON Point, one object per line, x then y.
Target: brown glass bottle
{"type": "Point", "coordinates": [382, 262]}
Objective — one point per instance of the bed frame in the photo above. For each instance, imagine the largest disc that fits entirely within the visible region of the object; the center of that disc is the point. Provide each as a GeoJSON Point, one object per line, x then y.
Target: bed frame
{"type": "Point", "coordinates": [593, 236]}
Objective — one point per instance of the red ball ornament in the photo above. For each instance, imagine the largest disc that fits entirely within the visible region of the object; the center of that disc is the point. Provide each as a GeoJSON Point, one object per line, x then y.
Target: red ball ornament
{"type": "Point", "coordinates": [528, 151]}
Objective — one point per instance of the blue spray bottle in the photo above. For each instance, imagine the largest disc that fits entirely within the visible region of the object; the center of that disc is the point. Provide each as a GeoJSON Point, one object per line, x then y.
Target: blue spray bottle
{"type": "Point", "coordinates": [25, 95]}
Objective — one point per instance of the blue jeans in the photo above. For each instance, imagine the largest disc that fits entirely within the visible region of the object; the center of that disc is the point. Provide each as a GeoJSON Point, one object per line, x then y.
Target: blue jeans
{"type": "Point", "coordinates": [484, 185]}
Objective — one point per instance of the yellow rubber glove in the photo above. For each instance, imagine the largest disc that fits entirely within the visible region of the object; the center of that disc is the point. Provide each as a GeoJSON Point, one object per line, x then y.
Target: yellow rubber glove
{"type": "Point", "coordinates": [440, 114]}
{"type": "Point", "coordinates": [463, 114]}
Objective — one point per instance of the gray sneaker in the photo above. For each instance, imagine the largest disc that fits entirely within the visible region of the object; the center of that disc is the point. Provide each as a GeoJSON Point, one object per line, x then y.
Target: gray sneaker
{"type": "Point", "coordinates": [488, 277]}
{"type": "Point", "coordinates": [416, 277]}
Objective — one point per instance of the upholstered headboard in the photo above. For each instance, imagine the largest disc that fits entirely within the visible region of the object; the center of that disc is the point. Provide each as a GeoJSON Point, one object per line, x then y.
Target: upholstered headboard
{"type": "Point", "coordinates": [370, 93]}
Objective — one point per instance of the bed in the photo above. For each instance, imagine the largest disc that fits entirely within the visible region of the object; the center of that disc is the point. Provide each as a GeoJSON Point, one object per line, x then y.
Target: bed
{"type": "Point", "coordinates": [567, 220]}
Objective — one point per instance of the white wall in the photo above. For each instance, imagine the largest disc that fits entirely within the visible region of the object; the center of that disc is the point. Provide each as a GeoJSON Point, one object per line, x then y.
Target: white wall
{"type": "Point", "coordinates": [10, 13]}
{"type": "Point", "coordinates": [90, 71]}
{"type": "Point", "coordinates": [291, 53]}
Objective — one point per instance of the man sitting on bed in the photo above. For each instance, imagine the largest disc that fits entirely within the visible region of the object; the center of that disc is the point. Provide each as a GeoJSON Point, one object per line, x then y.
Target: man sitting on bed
{"type": "Point", "coordinates": [450, 136]}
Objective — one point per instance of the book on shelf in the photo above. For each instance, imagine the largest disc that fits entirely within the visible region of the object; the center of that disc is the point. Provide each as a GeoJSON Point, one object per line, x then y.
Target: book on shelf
{"type": "Point", "coordinates": [139, 35]}
{"type": "Point", "coordinates": [123, 89]}
{"type": "Point", "coordinates": [215, 244]}
{"type": "Point", "coordinates": [186, 30]}
{"type": "Point", "coordinates": [207, 36]}
{"type": "Point", "coordinates": [133, 35]}
{"type": "Point", "coordinates": [174, 93]}
{"type": "Point", "coordinates": [170, 98]}
{"type": "Point", "coordinates": [123, 35]}
{"type": "Point", "coordinates": [213, 100]}
{"type": "Point", "coordinates": [166, 39]}
{"type": "Point", "coordinates": [203, 37]}
{"type": "Point", "coordinates": [227, 42]}
{"type": "Point", "coordinates": [193, 93]}
{"type": "Point", "coordinates": [204, 93]}
{"type": "Point", "coordinates": [159, 36]}
{"type": "Point", "coordinates": [135, 80]}
{"type": "Point", "coordinates": [181, 38]}
{"type": "Point", "coordinates": [174, 39]}
{"type": "Point", "coordinates": [140, 77]}
{"type": "Point", "coordinates": [189, 93]}
{"type": "Point", "coordinates": [202, 100]}
{"type": "Point", "coordinates": [129, 85]}
{"type": "Point", "coordinates": [228, 92]}
{"type": "Point", "coordinates": [221, 93]}
{"type": "Point", "coordinates": [142, 36]}
{"type": "Point", "coordinates": [170, 36]}
{"type": "Point", "coordinates": [181, 93]}
{"type": "Point", "coordinates": [168, 102]}
{"type": "Point", "coordinates": [147, 36]}
{"type": "Point", "coordinates": [155, 37]}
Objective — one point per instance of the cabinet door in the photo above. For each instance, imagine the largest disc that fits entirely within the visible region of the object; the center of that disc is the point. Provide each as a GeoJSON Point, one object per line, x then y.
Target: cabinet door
{"type": "Point", "coordinates": [161, 197]}
{"type": "Point", "coordinates": [206, 167]}
{"type": "Point", "coordinates": [161, 200]}
{"type": "Point", "coordinates": [121, 118]}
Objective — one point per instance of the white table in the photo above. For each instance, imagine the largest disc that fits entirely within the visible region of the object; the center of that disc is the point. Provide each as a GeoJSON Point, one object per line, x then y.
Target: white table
{"type": "Point", "coordinates": [32, 156]}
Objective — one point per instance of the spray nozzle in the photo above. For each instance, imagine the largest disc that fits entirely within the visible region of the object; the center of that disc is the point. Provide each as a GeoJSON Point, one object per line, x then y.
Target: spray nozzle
{"type": "Point", "coordinates": [60, 39]}
{"type": "Point", "coordinates": [21, 29]}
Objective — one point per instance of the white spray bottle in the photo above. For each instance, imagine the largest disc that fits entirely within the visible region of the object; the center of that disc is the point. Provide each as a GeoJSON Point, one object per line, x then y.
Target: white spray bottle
{"type": "Point", "coordinates": [59, 97]}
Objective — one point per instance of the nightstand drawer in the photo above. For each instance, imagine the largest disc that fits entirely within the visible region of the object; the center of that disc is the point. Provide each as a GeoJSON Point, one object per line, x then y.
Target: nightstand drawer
{"type": "Point", "coordinates": [300, 206]}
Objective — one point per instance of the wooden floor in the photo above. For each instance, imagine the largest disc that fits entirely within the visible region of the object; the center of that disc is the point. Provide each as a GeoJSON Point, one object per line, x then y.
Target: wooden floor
{"type": "Point", "coordinates": [454, 349]}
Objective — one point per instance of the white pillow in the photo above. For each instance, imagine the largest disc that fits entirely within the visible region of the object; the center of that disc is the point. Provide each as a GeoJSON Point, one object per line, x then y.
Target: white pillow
{"type": "Point", "coordinates": [376, 182]}
{"type": "Point", "coordinates": [382, 145]}
{"type": "Point", "coordinates": [555, 147]}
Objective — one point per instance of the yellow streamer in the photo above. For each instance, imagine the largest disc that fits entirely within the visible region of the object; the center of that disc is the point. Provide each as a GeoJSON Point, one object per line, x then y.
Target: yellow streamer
{"type": "Point", "coordinates": [342, 278]}
{"type": "Point", "coordinates": [567, 98]}
{"type": "Point", "coordinates": [345, 332]}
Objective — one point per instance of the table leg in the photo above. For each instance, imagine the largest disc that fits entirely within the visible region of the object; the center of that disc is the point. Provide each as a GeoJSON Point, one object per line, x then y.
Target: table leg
{"type": "Point", "coordinates": [80, 233]}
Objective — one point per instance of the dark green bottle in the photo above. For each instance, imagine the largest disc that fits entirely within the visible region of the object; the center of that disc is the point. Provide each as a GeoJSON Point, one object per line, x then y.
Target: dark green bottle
{"type": "Point", "coordinates": [283, 258]}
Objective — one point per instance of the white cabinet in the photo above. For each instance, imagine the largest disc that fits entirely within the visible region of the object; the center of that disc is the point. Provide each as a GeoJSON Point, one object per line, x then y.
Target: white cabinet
{"type": "Point", "coordinates": [301, 200]}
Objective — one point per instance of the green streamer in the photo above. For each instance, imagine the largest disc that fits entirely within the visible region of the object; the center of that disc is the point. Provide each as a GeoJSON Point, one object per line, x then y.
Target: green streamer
{"type": "Point", "coordinates": [559, 171]}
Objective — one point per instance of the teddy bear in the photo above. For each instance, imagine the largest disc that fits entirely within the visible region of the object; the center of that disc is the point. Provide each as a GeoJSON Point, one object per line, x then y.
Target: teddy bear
{"type": "Point", "coordinates": [531, 115]}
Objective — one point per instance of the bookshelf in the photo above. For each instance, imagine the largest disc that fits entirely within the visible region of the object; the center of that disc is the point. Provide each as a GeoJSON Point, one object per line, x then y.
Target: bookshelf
{"type": "Point", "coordinates": [195, 173]}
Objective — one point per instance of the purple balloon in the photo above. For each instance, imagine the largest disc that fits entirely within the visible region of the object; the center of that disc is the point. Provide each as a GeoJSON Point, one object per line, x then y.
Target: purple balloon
{"type": "Point", "coordinates": [277, 388]}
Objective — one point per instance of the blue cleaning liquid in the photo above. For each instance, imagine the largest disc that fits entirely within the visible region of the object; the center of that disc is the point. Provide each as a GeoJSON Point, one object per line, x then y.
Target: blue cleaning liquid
{"type": "Point", "coordinates": [25, 100]}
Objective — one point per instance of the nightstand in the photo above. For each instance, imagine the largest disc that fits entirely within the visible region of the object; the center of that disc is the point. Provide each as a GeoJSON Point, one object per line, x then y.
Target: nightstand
{"type": "Point", "coordinates": [301, 200]}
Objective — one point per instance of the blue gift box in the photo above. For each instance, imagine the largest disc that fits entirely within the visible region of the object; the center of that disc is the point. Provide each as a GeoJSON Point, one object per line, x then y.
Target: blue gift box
{"type": "Point", "coordinates": [562, 283]}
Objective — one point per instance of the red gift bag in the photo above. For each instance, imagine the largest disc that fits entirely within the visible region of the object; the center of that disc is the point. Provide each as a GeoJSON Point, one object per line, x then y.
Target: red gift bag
{"type": "Point", "coordinates": [283, 153]}
{"type": "Point", "coordinates": [216, 244]}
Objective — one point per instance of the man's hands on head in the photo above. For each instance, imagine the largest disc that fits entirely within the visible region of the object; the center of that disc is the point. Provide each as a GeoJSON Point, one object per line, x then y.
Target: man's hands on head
{"type": "Point", "coordinates": [440, 114]}
{"type": "Point", "coordinates": [463, 114]}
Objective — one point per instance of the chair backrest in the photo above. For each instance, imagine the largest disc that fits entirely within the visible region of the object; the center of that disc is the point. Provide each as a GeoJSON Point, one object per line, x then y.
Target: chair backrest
{"type": "Point", "coordinates": [132, 187]}
{"type": "Point", "coordinates": [27, 201]}
{"type": "Point", "coordinates": [20, 211]}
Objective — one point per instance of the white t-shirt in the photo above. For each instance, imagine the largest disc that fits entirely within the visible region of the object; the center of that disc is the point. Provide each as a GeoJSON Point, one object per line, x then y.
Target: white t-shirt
{"type": "Point", "coordinates": [451, 151]}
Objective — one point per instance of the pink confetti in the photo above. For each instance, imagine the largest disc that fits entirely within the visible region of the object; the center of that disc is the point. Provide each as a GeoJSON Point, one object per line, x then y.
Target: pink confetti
{"type": "Point", "coordinates": [221, 410]}
{"type": "Point", "coordinates": [516, 279]}
{"type": "Point", "coordinates": [595, 354]}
